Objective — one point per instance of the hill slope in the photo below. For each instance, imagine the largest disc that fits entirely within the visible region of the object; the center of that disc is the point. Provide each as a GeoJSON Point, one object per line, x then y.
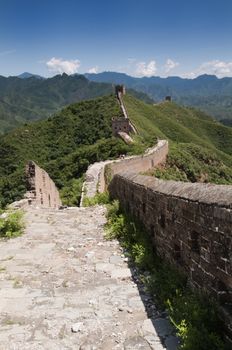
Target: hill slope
{"type": "Point", "coordinates": [31, 99]}
{"type": "Point", "coordinates": [199, 145]}
{"type": "Point", "coordinates": [64, 145]}
{"type": "Point", "coordinates": [80, 134]}
{"type": "Point", "coordinates": [206, 92]}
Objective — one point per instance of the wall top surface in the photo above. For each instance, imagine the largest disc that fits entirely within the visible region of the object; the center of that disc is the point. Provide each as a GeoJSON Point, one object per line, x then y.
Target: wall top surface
{"type": "Point", "coordinates": [220, 195]}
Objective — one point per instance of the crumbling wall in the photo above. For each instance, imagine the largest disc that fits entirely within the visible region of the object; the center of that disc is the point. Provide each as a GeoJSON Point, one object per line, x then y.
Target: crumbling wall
{"type": "Point", "coordinates": [41, 190]}
{"type": "Point", "coordinates": [190, 225]}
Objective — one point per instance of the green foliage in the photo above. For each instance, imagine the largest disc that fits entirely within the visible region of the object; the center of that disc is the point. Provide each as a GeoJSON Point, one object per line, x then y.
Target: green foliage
{"type": "Point", "coordinates": [200, 147]}
{"type": "Point", "coordinates": [99, 198]}
{"type": "Point", "coordinates": [71, 192]}
{"type": "Point", "coordinates": [181, 125]}
{"type": "Point", "coordinates": [80, 134]}
{"type": "Point", "coordinates": [192, 163]}
{"type": "Point", "coordinates": [25, 100]}
{"type": "Point", "coordinates": [130, 235]}
{"type": "Point", "coordinates": [11, 225]}
{"type": "Point", "coordinates": [195, 316]}
{"type": "Point", "coordinates": [64, 146]}
{"type": "Point", "coordinates": [205, 92]}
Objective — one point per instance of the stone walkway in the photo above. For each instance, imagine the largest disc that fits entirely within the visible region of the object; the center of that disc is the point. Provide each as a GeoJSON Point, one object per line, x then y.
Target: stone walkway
{"type": "Point", "coordinates": [90, 186]}
{"type": "Point", "coordinates": [93, 183]}
{"type": "Point", "coordinates": [63, 286]}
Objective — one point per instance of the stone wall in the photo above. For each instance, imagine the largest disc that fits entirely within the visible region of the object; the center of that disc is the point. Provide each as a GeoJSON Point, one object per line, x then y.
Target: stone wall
{"type": "Point", "coordinates": [137, 164]}
{"type": "Point", "coordinates": [41, 190]}
{"type": "Point", "coordinates": [120, 124]}
{"type": "Point", "coordinates": [190, 225]}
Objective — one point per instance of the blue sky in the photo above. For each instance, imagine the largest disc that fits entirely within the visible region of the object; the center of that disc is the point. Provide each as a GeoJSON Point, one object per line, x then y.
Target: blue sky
{"type": "Point", "coordinates": [141, 38]}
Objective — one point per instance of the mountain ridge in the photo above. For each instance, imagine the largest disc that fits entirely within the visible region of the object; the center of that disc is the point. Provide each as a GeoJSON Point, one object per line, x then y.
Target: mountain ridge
{"type": "Point", "coordinates": [81, 134]}
{"type": "Point", "coordinates": [28, 99]}
{"type": "Point", "coordinates": [206, 92]}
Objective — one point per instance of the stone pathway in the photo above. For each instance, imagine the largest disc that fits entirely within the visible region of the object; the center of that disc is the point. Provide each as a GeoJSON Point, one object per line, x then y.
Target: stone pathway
{"type": "Point", "coordinates": [63, 286]}
{"type": "Point", "coordinates": [93, 181]}
{"type": "Point", "coordinates": [90, 186]}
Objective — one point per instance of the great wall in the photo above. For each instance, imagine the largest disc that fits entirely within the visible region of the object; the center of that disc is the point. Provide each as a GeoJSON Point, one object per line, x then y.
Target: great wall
{"type": "Point", "coordinates": [190, 226]}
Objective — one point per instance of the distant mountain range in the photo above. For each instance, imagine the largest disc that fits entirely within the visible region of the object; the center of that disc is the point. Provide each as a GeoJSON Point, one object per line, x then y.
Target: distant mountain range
{"type": "Point", "coordinates": [31, 97]}
{"type": "Point", "coordinates": [81, 134]}
{"type": "Point", "coordinates": [27, 75]}
{"type": "Point", "coordinates": [206, 92]}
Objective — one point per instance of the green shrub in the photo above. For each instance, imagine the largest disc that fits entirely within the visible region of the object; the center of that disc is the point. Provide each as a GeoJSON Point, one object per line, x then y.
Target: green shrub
{"type": "Point", "coordinates": [71, 193]}
{"type": "Point", "coordinates": [192, 163]}
{"type": "Point", "coordinates": [11, 225]}
{"type": "Point", "coordinates": [195, 316]}
{"type": "Point", "coordinates": [99, 198]}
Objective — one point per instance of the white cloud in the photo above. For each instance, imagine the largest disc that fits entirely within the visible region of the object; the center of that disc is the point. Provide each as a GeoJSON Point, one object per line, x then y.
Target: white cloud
{"type": "Point", "coordinates": [219, 68]}
{"type": "Point", "coordinates": [93, 70]}
{"type": "Point", "coordinates": [144, 69]}
{"type": "Point", "coordinates": [60, 66]}
{"type": "Point", "coordinates": [169, 65]}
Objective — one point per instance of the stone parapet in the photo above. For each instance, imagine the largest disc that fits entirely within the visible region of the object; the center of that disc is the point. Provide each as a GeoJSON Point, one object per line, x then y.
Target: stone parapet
{"type": "Point", "coordinates": [190, 225]}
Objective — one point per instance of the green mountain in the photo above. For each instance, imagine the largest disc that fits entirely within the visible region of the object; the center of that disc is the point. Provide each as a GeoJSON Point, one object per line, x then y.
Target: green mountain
{"type": "Point", "coordinates": [27, 75]}
{"type": "Point", "coordinates": [30, 97]}
{"type": "Point", "coordinates": [200, 147]}
{"type": "Point", "coordinates": [205, 92]}
{"type": "Point", "coordinates": [64, 145]}
{"type": "Point", "coordinates": [80, 134]}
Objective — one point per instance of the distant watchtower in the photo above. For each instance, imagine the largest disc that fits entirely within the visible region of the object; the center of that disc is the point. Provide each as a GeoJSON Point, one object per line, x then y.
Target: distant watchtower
{"type": "Point", "coordinates": [120, 89]}
{"type": "Point", "coordinates": [168, 98]}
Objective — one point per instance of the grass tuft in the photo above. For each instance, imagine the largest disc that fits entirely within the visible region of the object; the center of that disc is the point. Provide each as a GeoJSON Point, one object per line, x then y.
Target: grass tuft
{"type": "Point", "coordinates": [194, 315]}
{"type": "Point", "coordinates": [12, 224]}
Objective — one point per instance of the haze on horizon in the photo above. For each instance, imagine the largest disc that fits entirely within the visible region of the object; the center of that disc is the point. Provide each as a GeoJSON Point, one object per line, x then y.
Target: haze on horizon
{"type": "Point", "coordinates": [150, 38]}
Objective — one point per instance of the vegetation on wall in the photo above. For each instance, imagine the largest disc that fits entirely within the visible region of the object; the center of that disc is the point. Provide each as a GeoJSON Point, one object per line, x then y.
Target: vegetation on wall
{"type": "Point", "coordinates": [194, 316]}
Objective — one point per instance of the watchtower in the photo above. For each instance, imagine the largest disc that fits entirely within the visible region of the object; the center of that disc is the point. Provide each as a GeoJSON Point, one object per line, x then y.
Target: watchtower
{"type": "Point", "coordinates": [120, 89]}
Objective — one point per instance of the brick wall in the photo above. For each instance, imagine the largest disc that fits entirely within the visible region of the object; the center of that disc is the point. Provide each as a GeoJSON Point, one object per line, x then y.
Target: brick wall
{"type": "Point", "coordinates": [41, 190]}
{"type": "Point", "coordinates": [120, 124]}
{"type": "Point", "coordinates": [190, 225]}
{"type": "Point", "coordinates": [137, 164]}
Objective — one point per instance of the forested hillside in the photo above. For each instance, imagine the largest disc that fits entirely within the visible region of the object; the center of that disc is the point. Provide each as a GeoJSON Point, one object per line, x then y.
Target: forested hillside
{"type": "Point", "coordinates": [205, 92]}
{"type": "Point", "coordinates": [64, 145]}
{"type": "Point", "coordinates": [28, 98]}
{"type": "Point", "coordinates": [80, 134]}
{"type": "Point", "coordinates": [23, 100]}
{"type": "Point", "coordinates": [200, 147]}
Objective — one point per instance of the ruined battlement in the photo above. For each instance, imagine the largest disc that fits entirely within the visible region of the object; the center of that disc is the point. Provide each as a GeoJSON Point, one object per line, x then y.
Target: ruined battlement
{"type": "Point", "coordinates": [41, 190]}
{"type": "Point", "coordinates": [121, 124]}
